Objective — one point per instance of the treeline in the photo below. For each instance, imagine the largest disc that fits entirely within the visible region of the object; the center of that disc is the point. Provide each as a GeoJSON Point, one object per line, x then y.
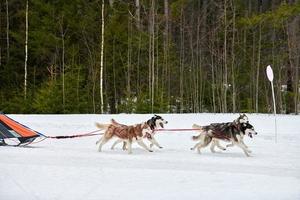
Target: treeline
{"type": "Point", "coordinates": [157, 56]}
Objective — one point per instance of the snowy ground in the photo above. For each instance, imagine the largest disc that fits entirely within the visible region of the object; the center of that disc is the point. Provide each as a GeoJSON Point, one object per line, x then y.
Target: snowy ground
{"type": "Point", "coordinates": [73, 169]}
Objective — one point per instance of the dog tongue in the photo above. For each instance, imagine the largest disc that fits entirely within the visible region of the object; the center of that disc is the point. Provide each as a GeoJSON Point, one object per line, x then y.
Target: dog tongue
{"type": "Point", "coordinates": [161, 125]}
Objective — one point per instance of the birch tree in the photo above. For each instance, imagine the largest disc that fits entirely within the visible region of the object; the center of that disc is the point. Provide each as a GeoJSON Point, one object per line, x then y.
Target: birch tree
{"type": "Point", "coordinates": [62, 34]}
{"type": "Point", "coordinates": [0, 33]}
{"type": "Point", "coordinates": [26, 51]}
{"type": "Point", "coordinates": [151, 54]}
{"type": "Point", "coordinates": [233, 59]}
{"type": "Point", "coordinates": [225, 83]}
{"type": "Point", "coordinates": [101, 56]}
{"type": "Point", "coordinates": [7, 31]}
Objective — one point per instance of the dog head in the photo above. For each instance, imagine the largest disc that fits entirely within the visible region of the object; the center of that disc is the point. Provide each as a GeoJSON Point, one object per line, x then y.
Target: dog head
{"type": "Point", "coordinates": [248, 129]}
{"type": "Point", "coordinates": [242, 119]}
{"type": "Point", "coordinates": [156, 122]}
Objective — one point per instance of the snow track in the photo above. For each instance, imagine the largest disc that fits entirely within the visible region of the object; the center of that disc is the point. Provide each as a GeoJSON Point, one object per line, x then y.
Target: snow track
{"type": "Point", "coordinates": [73, 169]}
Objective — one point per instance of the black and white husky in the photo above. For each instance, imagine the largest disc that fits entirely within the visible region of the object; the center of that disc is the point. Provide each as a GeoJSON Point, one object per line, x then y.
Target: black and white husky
{"type": "Point", "coordinates": [233, 132]}
{"type": "Point", "coordinates": [155, 122]}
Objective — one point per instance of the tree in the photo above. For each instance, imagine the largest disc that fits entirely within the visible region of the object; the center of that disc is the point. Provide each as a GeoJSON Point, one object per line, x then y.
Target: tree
{"type": "Point", "coordinates": [101, 56]}
{"type": "Point", "coordinates": [26, 52]}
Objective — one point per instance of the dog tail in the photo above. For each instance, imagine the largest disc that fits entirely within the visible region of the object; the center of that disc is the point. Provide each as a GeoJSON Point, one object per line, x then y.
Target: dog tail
{"type": "Point", "coordinates": [102, 126]}
{"type": "Point", "coordinates": [196, 126]}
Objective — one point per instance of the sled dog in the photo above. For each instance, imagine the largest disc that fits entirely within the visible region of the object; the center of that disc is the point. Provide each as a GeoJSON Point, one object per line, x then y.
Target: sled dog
{"type": "Point", "coordinates": [127, 134]}
{"type": "Point", "coordinates": [155, 122]}
{"type": "Point", "coordinates": [233, 132]}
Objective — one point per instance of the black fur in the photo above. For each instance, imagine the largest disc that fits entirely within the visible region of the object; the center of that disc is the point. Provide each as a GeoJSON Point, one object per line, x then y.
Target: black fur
{"type": "Point", "coordinates": [152, 122]}
{"type": "Point", "coordinates": [225, 131]}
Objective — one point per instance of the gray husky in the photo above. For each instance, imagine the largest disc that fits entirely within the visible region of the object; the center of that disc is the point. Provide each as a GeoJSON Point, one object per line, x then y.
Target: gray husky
{"type": "Point", "coordinates": [233, 132]}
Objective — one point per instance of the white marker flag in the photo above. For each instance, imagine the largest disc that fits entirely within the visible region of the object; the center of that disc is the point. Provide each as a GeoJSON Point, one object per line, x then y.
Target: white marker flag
{"type": "Point", "coordinates": [270, 76]}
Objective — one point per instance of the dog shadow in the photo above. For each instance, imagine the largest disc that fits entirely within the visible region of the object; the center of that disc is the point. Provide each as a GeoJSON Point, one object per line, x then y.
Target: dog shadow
{"type": "Point", "coordinates": [120, 151]}
{"type": "Point", "coordinates": [224, 154]}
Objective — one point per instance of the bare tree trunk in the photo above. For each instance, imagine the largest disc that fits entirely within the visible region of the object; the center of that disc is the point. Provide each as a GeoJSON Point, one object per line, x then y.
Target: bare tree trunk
{"type": "Point", "coordinates": [0, 33]}
{"type": "Point", "coordinates": [166, 50]}
{"type": "Point", "coordinates": [202, 28]}
{"type": "Point", "coordinates": [92, 65]}
{"type": "Point", "coordinates": [225, 84]}
{"type": "Point", "coordinates": [181, 59]}
{"type": "Point", "coordinates": [129, 53]}
{"type": "Point", "coordinates": [63, 61]}
{"type": "Point", "coordinates": [293, 72]}
{"type": "Point", "coordinates": [213, 72]}
{"type": "Point", "coordinates": [258, 65]}
{"type": "Point", "coordinates": [257, 71]}
{"type": "Point", "coordinates": [138, 25]}
{"type": "Point", "coordinates": [198, 77]}
{"type": "Point", "coordinates": [151, 54]}
{"type": "Point", "coordinates": [114, 109]}
{"type": "Point", "coordinates": [138, 14]}
{"type": "Point", "coordinates": [101, 56]}
{"type": "Point", "coordinates": [233, 60]}
{"type": "Point", "coordinates": [26, 52]}
{"type": "Point", "coordinates": [7, 32]}
{"type": "Point", "coordinates": [111, 3]}
{"type": "Point", "coordinates": [295, 50]}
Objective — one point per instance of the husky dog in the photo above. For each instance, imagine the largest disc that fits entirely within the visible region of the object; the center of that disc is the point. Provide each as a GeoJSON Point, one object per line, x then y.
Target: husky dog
{"type": "Point", "coordinates": [155, 122]}
{"type": "Point", "coordinates": [127, 134]}
{"type": "Point", "coordinates": [233, 132]}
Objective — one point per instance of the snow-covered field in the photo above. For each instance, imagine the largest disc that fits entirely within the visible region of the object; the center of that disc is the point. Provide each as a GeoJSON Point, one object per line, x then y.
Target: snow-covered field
{"type": "Point", "coordinates": [73, 169]}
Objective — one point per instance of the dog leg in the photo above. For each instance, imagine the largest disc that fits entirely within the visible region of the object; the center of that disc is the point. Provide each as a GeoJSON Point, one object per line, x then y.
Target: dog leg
{"type": "Point", "coordinates": [115, 143]}
{"type": "Point", "coordinates": [230, 145]}
{"type": "Point", "coordinates": [129, 150]}
{"type": "Point", "coordinates": [242, 141]}
{"type": "Point", "coordinates": [240, 144]}
{"type": "Point", "coordinates": [197, 144]}
{"type": "Point", "coordinates": [142, 144]}
{"type": "Point", "coordinates": [199, 148]}
{"type": "Point", "coordinates": [243, 148]}
{"type": "Point", "coordinates": [201, 145]}
{"type": "Point", "coordinates": [219, 146]}
{"type": "Point", "coordinates": [212, 146]}
{"type": "Point", "coordinates": [101, 143]}
{"type": "Point", "coordinates": [124, 146]}
{"type": "Point", "coordinates": [247, 148]}
{"type": "Point", "coordinates": [98, 141]}
{"type": "Point", "coordinates": [154, 142]}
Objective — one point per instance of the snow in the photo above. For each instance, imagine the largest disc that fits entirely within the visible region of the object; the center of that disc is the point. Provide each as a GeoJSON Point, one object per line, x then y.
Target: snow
{"type": "Point", "coordinates": [73, 169]}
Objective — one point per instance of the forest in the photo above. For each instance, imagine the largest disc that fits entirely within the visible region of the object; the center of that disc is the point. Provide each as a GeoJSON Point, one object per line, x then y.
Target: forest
{"type": "Point", "coordinates": [149, 56]}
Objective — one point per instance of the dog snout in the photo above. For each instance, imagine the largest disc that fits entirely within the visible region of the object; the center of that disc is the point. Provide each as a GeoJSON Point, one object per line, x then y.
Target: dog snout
{"type": "Point", "coordinates": [166, 121]}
